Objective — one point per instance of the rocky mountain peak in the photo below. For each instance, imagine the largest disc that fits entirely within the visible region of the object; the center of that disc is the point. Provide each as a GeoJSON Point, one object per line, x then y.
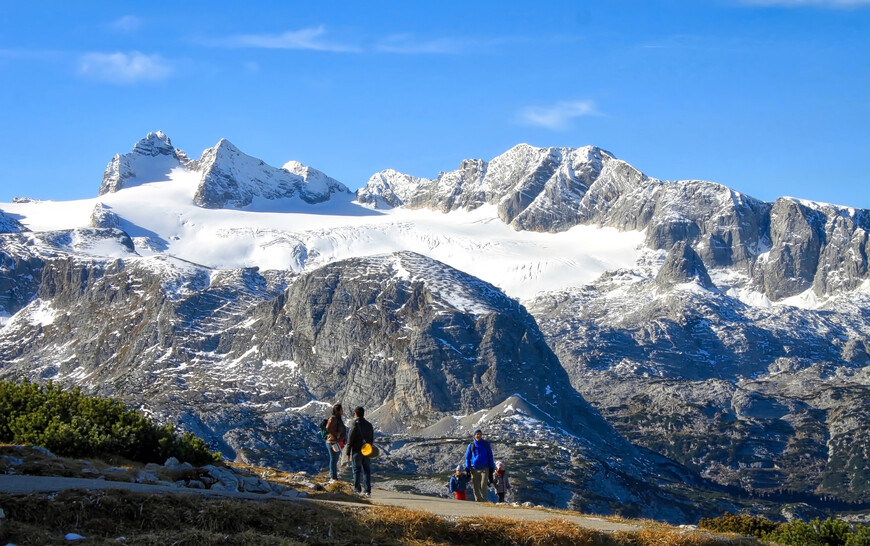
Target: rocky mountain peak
{"type": "Point", "coordinates": [152, 159]}
{"type": "Point", "coordinates": [154, 144]}
{"type": "Point", "coordinates": [231, 178]}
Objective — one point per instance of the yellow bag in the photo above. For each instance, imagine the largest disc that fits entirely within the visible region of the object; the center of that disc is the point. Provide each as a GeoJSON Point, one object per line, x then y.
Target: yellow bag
{"type": "Point", "coordinates": [369, 450]}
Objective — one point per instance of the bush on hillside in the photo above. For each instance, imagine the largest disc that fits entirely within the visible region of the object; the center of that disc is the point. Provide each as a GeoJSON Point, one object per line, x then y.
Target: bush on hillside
{"type": "Point", "coordinates": [830, 532]}
{"type": "Point", "coordinates": [72, 424]}
{"type": "Point", "coordinates": [741, 524]}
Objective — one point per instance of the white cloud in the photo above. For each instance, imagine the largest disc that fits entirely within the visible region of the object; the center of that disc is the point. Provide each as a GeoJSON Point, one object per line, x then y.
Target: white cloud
{"type": "Point", "coordinates": [127, 23]}
{"type": "Point", "coordinates": [307, 38]}
{"type": "Point", "coordinates": [557, 116]}
{"type": "Point", "coordinates": [797, 3]}
{"type": "Point", "coordinates": [317, 39]}
{"type": "Point", "coordinates": [408, 44]}
{"type": "Point", "coordinates": [124, 68]}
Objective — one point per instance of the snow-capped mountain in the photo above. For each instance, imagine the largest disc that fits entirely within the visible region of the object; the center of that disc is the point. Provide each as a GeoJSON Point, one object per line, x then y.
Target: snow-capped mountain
{"type": "Point", "coordinates": [241, 299]}
{"type": "Point", "coordinates": [227, 177]}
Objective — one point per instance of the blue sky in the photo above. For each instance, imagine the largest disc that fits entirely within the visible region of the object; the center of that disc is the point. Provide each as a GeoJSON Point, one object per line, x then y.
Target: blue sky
{"type": "Point", "coordinates": [769, 97]}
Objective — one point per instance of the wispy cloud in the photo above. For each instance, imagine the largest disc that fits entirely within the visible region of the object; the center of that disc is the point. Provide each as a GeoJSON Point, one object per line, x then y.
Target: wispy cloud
{"type": "Point", "coordinates": [307, 38]}
{"type": "Point", "coordinates": [124, 68]}
{"type": "Point", "coordinates": [319, 39]}
{"type": "Point", "coordinates": [799, 3]}
{"type": "Point", "coordinates": [557, 116]}
{"type": "Point", "coordinates": [410, 44]}
{"type": "Point", "coordinates": [127, 23]}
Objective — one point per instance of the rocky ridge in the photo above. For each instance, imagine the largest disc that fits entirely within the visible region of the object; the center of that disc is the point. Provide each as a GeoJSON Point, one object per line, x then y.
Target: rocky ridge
{"type": "Point", "coordinates": [228, 177]}
{"type": "Point", "coordinates": [784, 248]}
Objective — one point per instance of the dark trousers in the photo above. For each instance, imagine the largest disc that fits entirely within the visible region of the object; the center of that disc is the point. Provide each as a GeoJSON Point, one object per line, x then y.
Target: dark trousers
{"type": "Point", "coordinates": [333, 461]}
{"type": "Point", "coordinates": [500, 497]}
{"type": "Point", "coordinates": [362, 470]}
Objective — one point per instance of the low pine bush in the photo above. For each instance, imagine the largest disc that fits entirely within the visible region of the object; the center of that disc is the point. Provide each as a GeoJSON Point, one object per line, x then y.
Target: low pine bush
{"type": "Point", "coordinates": [73, 424]}
{"type": "Point", "coordinates": [741, 524]}
{"type": "Point", "coordinates": [830, 532]}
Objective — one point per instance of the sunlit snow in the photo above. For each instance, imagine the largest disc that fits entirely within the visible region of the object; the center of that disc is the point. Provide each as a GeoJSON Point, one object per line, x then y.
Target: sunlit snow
{"type": "Point", "coordinates": [290, 234]}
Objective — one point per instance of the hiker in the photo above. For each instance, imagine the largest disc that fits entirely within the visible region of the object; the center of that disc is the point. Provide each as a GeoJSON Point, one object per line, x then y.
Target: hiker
{"type": "Point", "coordinates": [361, 433]}
{"type": "Point", "coordinates": [336, 435]}
{"type": "Point", "coordinates": [500, 481]}
{"type": "Point", "coordinates": [458, 483]}
{"type": "Point", "coordinates": [479, 463]}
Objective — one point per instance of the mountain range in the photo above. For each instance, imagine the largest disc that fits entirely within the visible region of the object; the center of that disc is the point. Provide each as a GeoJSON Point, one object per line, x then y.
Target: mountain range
{"type": "Point", "coordinates": [669, 349]}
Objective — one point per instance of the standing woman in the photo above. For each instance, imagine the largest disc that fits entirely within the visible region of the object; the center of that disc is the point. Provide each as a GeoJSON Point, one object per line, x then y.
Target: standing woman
{"type": "Point", "coordinates": [336, 436]}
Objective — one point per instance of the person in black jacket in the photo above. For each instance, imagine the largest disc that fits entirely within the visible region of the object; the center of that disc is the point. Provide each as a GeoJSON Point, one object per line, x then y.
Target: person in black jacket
{"type": "Point", "coordinates": [361, 432]}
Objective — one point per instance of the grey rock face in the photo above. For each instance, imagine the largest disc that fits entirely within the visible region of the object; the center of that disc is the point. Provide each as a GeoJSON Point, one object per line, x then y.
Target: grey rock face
{"type": "Point", "coordinates": [453, 190]}
{"type": "Point", "coordinates": [389, 189]}
{"type": "Point", "coordinates": [797, 234]}
{"type": "Point", "coordinates": [20, 272]}
{"type": "Point", "coordinates": [8, 224]}
{"type": "Point", "coordinates": [683, 265]}
{"type": "Point", "coordinates": [765, 399]}
{"type": "Point", "coordinates": [231, 178]}
{"type": "Point", "coordinates": [416, 347]}
{"type": "Point", "coordinates": [103, 217]}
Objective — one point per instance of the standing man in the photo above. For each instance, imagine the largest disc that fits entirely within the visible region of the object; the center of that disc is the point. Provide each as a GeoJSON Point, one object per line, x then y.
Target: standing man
{"type": "Point", "coordinates": [479, 462]}
{"type": "Point", "coordinates": [361, 432]}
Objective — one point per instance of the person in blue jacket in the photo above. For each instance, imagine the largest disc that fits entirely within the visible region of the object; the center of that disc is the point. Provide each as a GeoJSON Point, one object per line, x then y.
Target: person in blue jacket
{"type": "Point", "coordinates": [458, 483]}
{"type": "Point", "coordinates": [480, 464]}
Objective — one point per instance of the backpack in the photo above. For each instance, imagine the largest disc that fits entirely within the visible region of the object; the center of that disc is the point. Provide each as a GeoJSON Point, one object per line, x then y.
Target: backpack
{"type": "Point", "coordinates": [323, 433]}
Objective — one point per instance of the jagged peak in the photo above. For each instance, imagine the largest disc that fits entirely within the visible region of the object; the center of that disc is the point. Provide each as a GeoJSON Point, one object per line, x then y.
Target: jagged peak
{"type": "Point", "coordinates": [154, 143]}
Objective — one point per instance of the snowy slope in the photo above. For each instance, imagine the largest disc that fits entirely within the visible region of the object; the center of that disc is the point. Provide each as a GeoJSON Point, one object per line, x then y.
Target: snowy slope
{"type": "Point", "coordinates": [291, 234]}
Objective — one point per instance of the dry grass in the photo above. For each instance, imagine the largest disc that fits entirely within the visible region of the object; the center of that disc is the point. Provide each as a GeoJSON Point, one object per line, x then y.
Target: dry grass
{"type": "Point", "coordinates": [147, 519]}
{"type": "Point", "coordinates": [186, 518]}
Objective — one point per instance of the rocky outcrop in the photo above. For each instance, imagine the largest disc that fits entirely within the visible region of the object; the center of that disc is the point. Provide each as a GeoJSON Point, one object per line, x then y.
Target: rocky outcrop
{"type": "Point", "coordinates": [415, 341]}
{"type": "Point", "coordinates": [8, 224]}
{"type": "Point", "coordinates": [683, 265]}
{"type": "Point", "coordinates": [103, 217]}
{"type": "Point", "coordinates": [232, 178]}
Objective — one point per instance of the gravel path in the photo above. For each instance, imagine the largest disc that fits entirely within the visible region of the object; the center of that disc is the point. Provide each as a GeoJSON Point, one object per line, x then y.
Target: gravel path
{"type": "Point", "coordinates": [439, 506]}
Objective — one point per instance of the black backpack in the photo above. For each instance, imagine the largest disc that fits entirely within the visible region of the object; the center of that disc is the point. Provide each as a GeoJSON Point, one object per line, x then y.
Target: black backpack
{"type": "Point", "coordinates": [323, 432]}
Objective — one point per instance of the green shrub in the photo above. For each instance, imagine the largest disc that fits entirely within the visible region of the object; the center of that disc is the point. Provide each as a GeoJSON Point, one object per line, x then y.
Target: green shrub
{"type": "Point", "coordinates": [859, 537]}
{"type": "Point", "coordinates": [742, 524]}
{"type": "Point", "coordinates": [830, 532]}
{"type": "Point", "coordinates": [72, 424]}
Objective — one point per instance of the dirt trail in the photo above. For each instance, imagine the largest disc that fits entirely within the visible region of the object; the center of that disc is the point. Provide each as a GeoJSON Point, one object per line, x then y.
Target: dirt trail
{"type": "Point", "coordinates": [434, 505]}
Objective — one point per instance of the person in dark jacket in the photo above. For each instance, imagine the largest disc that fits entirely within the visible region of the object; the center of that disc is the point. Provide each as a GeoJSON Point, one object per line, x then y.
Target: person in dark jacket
{"type": "Point", "coordinates": [500, 481]}
{"type": "Point", "coordinates": [458, 483]}
{"type": "Point", "coordinates": [336, 435]}
{"type": "Point", "coordinates": [479, 463]}
{"type": "Point", "coordinates": [361, 432]}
